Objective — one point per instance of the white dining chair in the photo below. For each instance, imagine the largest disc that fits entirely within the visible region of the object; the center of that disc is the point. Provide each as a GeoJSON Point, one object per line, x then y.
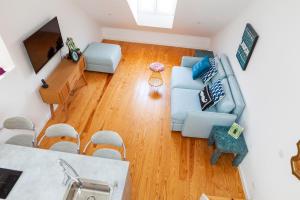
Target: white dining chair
{"type": "Point", "coordinates": [62, 130]}
{"type": "Point", "coordinates": [18, 131]}
{"type": "Point", "coordinates": [107, 138]}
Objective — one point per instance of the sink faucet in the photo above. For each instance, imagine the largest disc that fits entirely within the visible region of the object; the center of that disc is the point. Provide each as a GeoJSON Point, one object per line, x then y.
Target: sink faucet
{"type": "Point", "coordinates": [70, 173]}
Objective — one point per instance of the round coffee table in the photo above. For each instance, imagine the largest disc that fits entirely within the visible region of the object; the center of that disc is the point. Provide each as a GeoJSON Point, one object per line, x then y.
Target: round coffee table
{"type": "Point", "coordinates": [156, 80]}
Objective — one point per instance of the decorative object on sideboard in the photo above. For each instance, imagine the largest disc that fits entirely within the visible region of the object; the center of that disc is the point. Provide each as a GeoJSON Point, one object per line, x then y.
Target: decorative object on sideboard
{"type": "Point", "coordinates": [74, 52]}
{"type": "Point", "coordinates": [6, 63]}
{"type": "Point", "coordinates": [45, 85]}
{"type": "Point", "coordinates": [295, 162]}
{"type": "Point", "coordinates": [247, 45]}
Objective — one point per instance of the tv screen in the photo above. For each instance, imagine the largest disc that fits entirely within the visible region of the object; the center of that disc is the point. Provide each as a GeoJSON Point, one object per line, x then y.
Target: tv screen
{"type": "Point", "coordinates": [44, 44]}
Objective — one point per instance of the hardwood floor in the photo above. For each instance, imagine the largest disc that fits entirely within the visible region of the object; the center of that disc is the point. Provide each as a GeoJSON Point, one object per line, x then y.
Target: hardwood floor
{"type": "Point", "coordinates": [163, 164]}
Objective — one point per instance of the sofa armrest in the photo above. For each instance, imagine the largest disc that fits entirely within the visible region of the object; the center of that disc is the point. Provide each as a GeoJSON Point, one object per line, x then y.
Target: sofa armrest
{"type": "Point", "coordinates": [189, 61]}
{"type": "Point", "coordinates": [199, 124]}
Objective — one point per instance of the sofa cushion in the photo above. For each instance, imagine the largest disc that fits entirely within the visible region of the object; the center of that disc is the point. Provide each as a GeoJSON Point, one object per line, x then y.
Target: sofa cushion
{"type": "Point", "coordinates": [189, 61]}
{"type": "Point", "coordinates": [237, 96]}
{"type": "Point", "coordinates": [217, 91]}
{"type": "Point", "coordinates": [207, 76]}
{"type": "Point", "coordinates": [182, 78]}
{"type": "Point", "coordinates": [183, 101]}
{"type": "Point", "coordinates": [221, 73]}
{"type": "Point", "coordinates": [205, 98]}
{"type": "Point", "coordinates": [227, 104]}
{"type": "Point", "coordinates": [226, 65]}
{"type": "Point", "coordinates": [200, 68]}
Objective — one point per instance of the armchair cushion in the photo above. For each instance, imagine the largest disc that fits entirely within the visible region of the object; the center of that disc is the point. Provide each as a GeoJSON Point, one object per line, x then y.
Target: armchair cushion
{"type": "Point", "coordinates": [182, 78]}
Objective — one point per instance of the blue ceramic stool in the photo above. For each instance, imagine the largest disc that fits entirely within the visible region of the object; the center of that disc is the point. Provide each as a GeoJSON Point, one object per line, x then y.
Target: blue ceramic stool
{"type": "Point", "coordinates": [227, 144]}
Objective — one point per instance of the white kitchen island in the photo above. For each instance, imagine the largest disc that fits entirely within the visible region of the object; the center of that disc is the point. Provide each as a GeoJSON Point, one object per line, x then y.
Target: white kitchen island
{"type": "Point", "coordinates": [42, 176]}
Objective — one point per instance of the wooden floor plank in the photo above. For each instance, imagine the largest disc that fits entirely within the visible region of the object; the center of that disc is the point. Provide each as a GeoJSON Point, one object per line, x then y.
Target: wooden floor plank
{"type": "Point", "coordinates": [163, 164]}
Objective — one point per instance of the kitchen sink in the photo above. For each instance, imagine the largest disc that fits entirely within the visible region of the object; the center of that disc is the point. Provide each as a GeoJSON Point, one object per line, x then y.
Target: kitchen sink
{"type": "Point", "coordinates": [89, 190]}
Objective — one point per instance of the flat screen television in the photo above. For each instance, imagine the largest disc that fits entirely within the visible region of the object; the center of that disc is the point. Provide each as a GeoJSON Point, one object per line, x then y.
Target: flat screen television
{"type": "Point", "coordinates": [44, 44]}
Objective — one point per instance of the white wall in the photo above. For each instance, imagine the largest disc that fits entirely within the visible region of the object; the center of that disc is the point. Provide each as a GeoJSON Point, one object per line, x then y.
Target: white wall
{"type": "Point", "coordinates": [19, 89]}
{"type": "Point", "coordinates": [271, 89]}
{"type": "Point", "coordinates": [156, 38]}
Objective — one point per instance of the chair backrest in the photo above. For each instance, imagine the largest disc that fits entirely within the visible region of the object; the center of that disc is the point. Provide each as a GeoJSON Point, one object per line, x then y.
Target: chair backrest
{"type": "Point", "coordinates": [107, 138]}
{"type": "Point", "coordinates": [18, 123]}
{"type": "Point", "coordinates": [21, 123]}
{"type": "Point", "coordinates": [60, 130]}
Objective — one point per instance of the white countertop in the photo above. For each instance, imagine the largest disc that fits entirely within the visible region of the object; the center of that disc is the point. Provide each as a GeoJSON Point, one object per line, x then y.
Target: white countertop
{"type": "Point", "coordinates": [42, 176]}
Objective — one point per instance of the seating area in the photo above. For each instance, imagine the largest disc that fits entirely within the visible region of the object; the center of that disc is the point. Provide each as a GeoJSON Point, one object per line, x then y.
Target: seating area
{"type": "Point", "coordinates": [149, 100]}
{"type": "Point", "coordinates": [186, 113]}
{"type": "Point", "coordinates": [20, 131]}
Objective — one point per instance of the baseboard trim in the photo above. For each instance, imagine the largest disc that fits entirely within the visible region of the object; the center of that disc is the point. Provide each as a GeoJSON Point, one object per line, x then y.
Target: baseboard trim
{"type": "Point", "coordinates": [244, 184]}
{"type": "Point", "coordinates": [147, 37]}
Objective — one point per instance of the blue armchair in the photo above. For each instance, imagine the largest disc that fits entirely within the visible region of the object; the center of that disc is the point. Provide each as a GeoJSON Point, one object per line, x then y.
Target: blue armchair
{"type": "Point", "coordinates": [186, 113]}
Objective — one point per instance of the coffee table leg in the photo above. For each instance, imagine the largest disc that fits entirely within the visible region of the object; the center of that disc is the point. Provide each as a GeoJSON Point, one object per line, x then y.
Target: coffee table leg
{"type": "Point", "coordinates": [215, 157]}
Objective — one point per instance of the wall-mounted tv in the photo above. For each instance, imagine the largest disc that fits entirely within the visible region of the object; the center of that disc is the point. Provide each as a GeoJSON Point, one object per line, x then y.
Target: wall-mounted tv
{"type": "Point", "coordinates": [44, 44]}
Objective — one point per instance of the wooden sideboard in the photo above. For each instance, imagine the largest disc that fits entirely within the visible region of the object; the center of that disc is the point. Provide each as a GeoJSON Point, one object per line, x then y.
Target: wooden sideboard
{"type": "Point", "coordinates": [62, 83]}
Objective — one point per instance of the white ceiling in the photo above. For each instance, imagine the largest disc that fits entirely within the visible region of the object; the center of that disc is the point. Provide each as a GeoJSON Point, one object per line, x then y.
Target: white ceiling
{"type": "Point", "coordinates": [192, 17]}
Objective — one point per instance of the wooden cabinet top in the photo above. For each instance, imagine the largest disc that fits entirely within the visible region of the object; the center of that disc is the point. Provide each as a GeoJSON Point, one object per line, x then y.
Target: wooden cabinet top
{"type": "Point", "coordinates": [66, 68]}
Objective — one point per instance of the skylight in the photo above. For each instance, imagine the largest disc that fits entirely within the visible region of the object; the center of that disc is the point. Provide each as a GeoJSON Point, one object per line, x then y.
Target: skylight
{"type": "Point", "coordinates": [154, 13]}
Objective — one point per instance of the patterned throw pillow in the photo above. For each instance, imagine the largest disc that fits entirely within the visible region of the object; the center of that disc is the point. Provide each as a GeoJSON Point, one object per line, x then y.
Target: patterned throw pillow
{"type": "Point", "coordinates": [207, 76]}
{"type": "Point", "coordinates": [217, 91]}
{"type": "Point", "coordinates": [205, 98]}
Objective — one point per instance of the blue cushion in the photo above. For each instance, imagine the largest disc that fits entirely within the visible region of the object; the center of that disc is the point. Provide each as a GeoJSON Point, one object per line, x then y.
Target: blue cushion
{"type": "Point", "coordinates": [200, 67]}
{"type": "Point", "coordinates": [217, 91]}
{"type": "Point", "coordinates": [227, 104]}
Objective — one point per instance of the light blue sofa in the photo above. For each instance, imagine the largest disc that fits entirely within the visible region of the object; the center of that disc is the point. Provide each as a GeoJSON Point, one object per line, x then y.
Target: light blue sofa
{"type": "Point", "coordinates": [186, 113]}
{"type": "Point", "coordinates": [102, 57]}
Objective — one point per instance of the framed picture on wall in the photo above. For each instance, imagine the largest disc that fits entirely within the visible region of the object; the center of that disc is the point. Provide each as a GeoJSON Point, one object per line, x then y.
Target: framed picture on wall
{"type": "Point", "coordinates": [247, 46]}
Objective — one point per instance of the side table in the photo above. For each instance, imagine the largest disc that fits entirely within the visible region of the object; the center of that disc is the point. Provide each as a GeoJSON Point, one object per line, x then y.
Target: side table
{"type": "Point", "coordinates": [156, 80]}
{"type": "Point", "coordinates": [227, 144]}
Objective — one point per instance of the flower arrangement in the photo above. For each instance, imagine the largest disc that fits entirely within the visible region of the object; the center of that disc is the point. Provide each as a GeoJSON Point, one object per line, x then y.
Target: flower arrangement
{"type": "Point", "coordinates": [157, 67]}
